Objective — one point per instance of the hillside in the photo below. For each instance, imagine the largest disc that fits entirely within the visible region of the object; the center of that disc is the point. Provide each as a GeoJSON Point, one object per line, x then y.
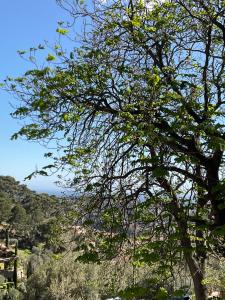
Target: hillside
{"type": "Point", "coordinates": [29, 216]}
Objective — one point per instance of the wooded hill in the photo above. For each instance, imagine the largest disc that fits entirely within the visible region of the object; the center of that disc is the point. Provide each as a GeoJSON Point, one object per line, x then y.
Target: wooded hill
{"type": "Point", "coordinates": [29, 216]}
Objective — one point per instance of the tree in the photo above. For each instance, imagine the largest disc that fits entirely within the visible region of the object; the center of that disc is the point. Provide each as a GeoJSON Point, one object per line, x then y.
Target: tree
{"type": "Point", "coordinates": [6, 205]}
{"type": "Point", "coordinates": [136, 112]}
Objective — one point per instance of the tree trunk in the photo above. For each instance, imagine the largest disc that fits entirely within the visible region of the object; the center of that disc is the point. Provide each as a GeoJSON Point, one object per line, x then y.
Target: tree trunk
{"type": "Point", "coordinates": [15, 267]}
{"type": "Point", "coordinates": [7, 237]}
{"type": "Point", "coordinates": [196, 266]}
{"type": "Point", "coordinates": [197, 274]}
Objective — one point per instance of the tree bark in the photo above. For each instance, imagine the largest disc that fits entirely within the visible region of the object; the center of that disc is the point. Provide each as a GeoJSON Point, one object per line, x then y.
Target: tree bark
{"type": "Point", "coordinates": [196, 266]}
{"type": "Point", "coordinates": [197, 274]}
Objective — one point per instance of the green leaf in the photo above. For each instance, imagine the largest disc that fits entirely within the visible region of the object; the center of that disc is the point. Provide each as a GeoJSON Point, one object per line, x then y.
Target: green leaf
{"type": "Point", "coordinates": [136, 22]}
{"type": "Point", "coordinates": [62, 31]}
{"type": "Point", "coordinates": [159, 172]}
{"type": "Point", "coordinates": [71, 55]}
{"type": "Point", "coordinates": [162, 294]}
{"type": "Point", "coordinates": [43, 173]}
{"type": "Point", "coordinates": [29, 177]}
{"type": "Point", "coordinates": [88, 257]}
{"type": "Point", "coordinates": [220, 230]}
{"type": "Point", "coordinates": [50, 57]}
{"type": "Point", "coordinates": [48, 167]}
{"type": "Point", "coordinates": [89, 187]}
{"type": "Point", "coordinates": [41, 47]}
{"type": "Point", "coordinates": [21, 52]}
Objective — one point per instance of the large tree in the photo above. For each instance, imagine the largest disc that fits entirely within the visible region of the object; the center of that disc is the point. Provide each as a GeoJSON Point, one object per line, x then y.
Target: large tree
{"type": "Point", "coordinates": [136, 112]}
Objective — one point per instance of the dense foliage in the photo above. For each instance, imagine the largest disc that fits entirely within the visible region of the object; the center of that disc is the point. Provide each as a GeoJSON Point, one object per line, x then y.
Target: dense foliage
{"type": "Point", "coordinates": [67, 279]}
{"type": "Point", "coordinates": [31, 217]}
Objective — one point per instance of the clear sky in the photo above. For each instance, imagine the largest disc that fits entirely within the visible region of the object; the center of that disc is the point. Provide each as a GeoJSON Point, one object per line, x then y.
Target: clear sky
{"type": "Point", "coordinates": [23, 24]}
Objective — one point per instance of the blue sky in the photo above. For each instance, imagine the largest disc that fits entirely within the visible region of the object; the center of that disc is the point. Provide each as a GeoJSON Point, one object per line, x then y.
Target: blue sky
{"type": "Point", "coordinates": [23, 24]}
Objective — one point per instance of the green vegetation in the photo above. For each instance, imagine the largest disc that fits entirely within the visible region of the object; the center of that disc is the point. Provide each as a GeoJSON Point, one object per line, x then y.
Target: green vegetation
{"type": "Point", "coordinates": [136, 112]}
{"type": "Point", "coordinates": [29, 216]}
{"type": "Point", "coordinates": [62, 267]}
{"type": "Point", "coordinates": [54, 268]}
